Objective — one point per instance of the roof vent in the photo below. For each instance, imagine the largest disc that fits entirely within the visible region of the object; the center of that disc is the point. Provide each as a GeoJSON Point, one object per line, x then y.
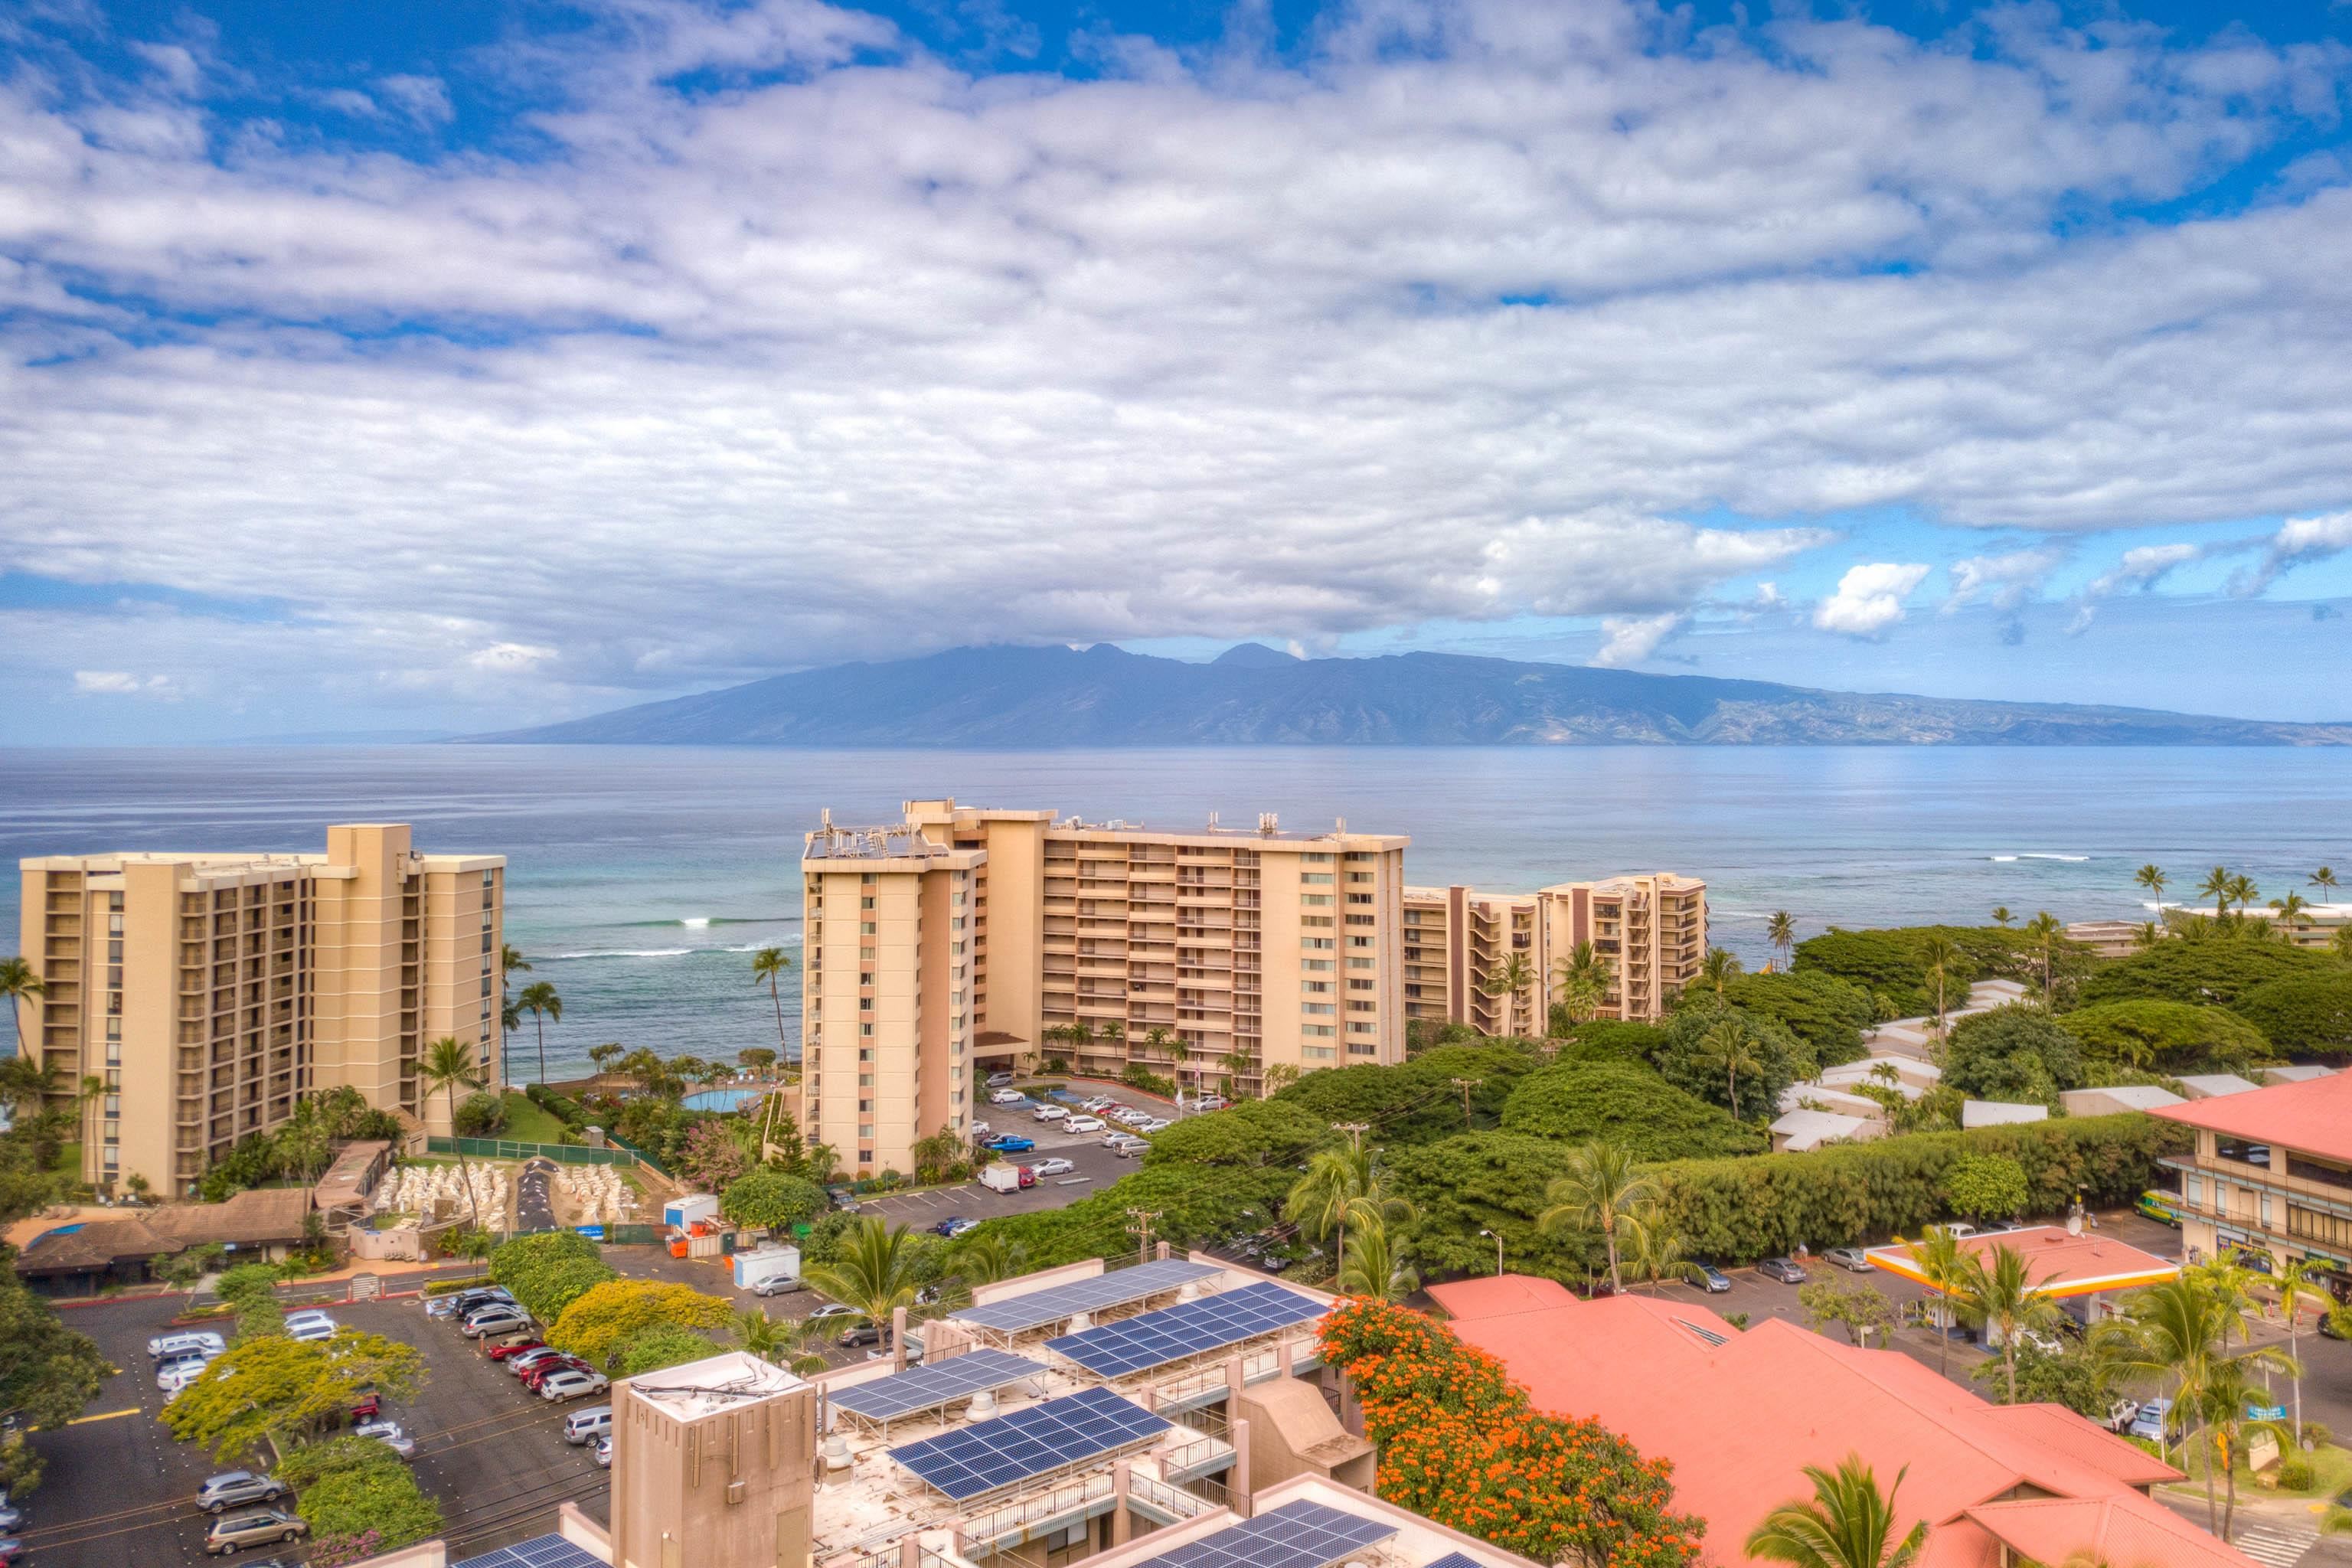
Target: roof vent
{"type": "Point", "coordinates": [836, 1453]}
{"type": "Point", "coordinates": [982, 1405]}
{"type": "Point", "coordinates": [1079, 1323]}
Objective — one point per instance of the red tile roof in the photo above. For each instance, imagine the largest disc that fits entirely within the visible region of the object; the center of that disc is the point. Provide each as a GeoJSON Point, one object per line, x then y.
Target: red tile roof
{"type": "Point", "coordinates": [2314, 1117]}
{"type": "Point", "coordinates": [1740, 1416]}
{"type": "Point", "coordinates": [2057, 1264]}
{"type": "Point", "coordinates": [2106, 1529]}
{"type": "Point", "coordinates": [1498, 1294]}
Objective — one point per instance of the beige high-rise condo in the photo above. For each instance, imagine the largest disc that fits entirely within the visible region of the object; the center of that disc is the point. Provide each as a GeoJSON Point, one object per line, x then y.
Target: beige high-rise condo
{"type": "Point", "coordinates": [959, 940]}
{"type": "Point", "coordinates": [208, 992]}
{"type": "Point", "coordinates": [1648, 931]}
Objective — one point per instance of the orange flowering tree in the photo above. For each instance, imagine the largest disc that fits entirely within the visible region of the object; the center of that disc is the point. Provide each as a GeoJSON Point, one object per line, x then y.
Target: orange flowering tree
{"type": "Point", "coordinates": [1460, 1443]}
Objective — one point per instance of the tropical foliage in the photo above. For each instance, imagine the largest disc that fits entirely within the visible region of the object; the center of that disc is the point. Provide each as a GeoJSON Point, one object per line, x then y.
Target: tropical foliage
{"type": "Point", "coordinates": [2018, 1054]}
{"type": "Point", "coordinates": [359, 1498]}
{"type": "Point", "coordinates": [1631, 1106]}
{"type": "Point", "coordinates": [2311, 1014]}
{"type": "Point", "coordinates": [1847, 1523]}
{"type": "Point", "coordinates": [609, 1315]}
{"type": "Point", "coordinates": [1697, 1056]}
{"type": "Point", "coordinates": [1416, 1102]}
{"type": "Point", "coordinates": [1986, 1187]}
{"type": "Point", "coordinates": [2214, 972]}
{"type": "Point", "coordinates": [2160, 1037]}
{"type": "Point", "coordinates": [278, 1390]}
{"type": "Point", "coordinates": [1826, 1015]}
{"type": "Point", "coordinates": [549, 1271]}
{"type": "Point", "coordinates": [772, 1200]}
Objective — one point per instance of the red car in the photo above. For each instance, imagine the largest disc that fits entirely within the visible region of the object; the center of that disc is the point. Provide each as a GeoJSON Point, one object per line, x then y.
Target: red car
{"type": "Point", "coordinates": [369, 1407]}
{"type": "Point", "coordinates": [515, 1348]}
{"type": "Point", "coordinates": [1028, 1177]}
{"type": "Point", "coordinates": [549, 1367]}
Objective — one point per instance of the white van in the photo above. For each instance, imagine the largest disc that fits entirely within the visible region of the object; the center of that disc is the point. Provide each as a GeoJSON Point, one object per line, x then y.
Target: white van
{"type": "Point", "coordinates": [584, 1426]}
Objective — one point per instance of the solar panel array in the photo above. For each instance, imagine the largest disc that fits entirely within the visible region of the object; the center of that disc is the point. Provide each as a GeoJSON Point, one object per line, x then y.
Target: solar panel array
{"type": "Point", "coordinates": [988, 1456]}
{"type": "Point", "coordinates": [1038, 1307]}
{"type": "Point", "coordinates": [540, 1552]}
{"type": "Point", "coordinates": [1296, 1535]}
{"type": "Point", "coordinates": [1187, 1329]}
{"type": "Point", "coordinates": [1454, 1559]}
{"type": "Point", "coordinates": [929, 1387]}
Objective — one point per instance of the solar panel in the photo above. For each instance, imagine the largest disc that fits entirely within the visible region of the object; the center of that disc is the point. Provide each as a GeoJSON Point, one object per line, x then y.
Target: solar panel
{"type": "Point", "coordinates": [538, 1551]}
{"type": "Point", "coordinates": [1187, 1329]}
{"type": "Point", "coordinates": [1296, 1535]}
{"type": "Point", "coordinates": [1455, 1560]}
{"type": "Point", "coordinates": [1039, 1307]}
{"type": "Point", "coordinates": [990, 1454]}
{"type": "Point", "coordinates": [929, 1387]}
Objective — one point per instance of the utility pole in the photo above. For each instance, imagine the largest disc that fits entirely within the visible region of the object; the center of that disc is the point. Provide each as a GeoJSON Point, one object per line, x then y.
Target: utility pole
{"type": "Point", "coordinates": [1139, 1226]}
{"type": "Point", "coordinates": [1355, 1132]}
{"type": "Point", "coordinates": [1465, 1085]}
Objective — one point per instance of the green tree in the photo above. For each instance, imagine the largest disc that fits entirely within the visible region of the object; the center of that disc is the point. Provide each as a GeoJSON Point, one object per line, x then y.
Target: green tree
{"type": "Point", "coordinates": [1719, 969]}
{"type": "Point", "coordinates": [19, 984]}
{"type": "Point", "coordinates": [185, 1270]}
{"type": "Point", "coordinates": [2217, 886]}
{"type": "Point", "coordinates": [874, 1274]}
{"type": "Point", "coordinates": [2071, 1376]}
{"type": "Point", "coordinates": [448, 1067]}
{"type": "Point", "coordinates": [1599, 1192]}
{"type": "Point", "coordinates": [2151, 1035]}
{"type": "Point", "coordinates": [1825, 1014]}
{"type": "Point", "coordinates": [2000, 1295]}
{"type": "Point", "coordinates": [2214, 972]}
{"type": "Point", "coordinates": [1769, 1058]}
{"type": "Point", "coordinates": [1262, 1133]}
{"type": "Point", "coordinates": [986, 1256]}
{"type": "Point", "coordinates": [2231, 1393]}
{"type": "Point", "coordinates": [1848, 1523]}
{"type": "Point", "coordinates": [279, 1391]}
{"type": "Point", "coordinates": [1629, 1105]}
{"type": "Point", "coordinates": [660, 1345]}
{"type": "Point", "coordinates": [2046, 931]}
{"type": "Point", "coordinates": [2175, 1335]}
{"type": "Point", "coordinates": [1509, 980]}
{"type": "Point", "coordinates": [1372, 1265]}
{"type": "Point", "coordinates": [368, 1510]}
{"type": "Point", "coordinates": [1726, 1045]}
{"type": "Point", "coordinates": [597, 1324]}
{"type": "Point", "coordinates": [1943, 1269]}
{"type": "Point", "coordinates": [2301, 1283]}
{"type": "Point", "coordinates": [768, 967]}
{"type": "Point", "coordinates": [540, 1000]}
{"type": "Point", "coordinates": [549, 1271]}
{"type": "Point", "coordinates": [1781, 930]}
{"type": "Point", "coordinates": [770, 1200]}
{"type": "Point", "coordinates": [1985, 1186]}
{"type": "Point", "coordinates": [604, 1056]}
{"type": "Point", "coordinates": [2306, 1013]}
{"type": "Point", "coordinates": [1861, 1310]}
{"type": "Point", "coordinates": [1654, 1250]}
{"type": "Point", "coordinates": [1583, 978]}
{"type": "Point", "coordinates": [49, 1373]}
{"type": "Point", "coordinates": [1341, 1187]}
{"type": "Point", "coordinates": [2013, 1053]}
{"type": "Point", "coordinates": [2152, 878]}
{"type": "Point", "coordinates": [1946, 968]}
{"type": "Point", "coordinates": [2001, 917]}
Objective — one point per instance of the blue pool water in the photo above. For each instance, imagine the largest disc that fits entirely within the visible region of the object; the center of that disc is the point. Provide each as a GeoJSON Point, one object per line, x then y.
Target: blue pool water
{"type": "Point", "coordinates": [719, 1099]}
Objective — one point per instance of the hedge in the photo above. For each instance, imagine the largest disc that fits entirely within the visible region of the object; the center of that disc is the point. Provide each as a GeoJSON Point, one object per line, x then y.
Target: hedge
{"type": "Point", "coordinates": [1196, 1204]}
{"type": "Point", "coordinates": [1765, 1205]}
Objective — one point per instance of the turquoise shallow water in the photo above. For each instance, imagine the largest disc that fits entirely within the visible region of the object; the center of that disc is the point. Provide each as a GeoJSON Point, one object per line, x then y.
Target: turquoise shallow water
{"type": "Point", "coordinates": [642, 877]}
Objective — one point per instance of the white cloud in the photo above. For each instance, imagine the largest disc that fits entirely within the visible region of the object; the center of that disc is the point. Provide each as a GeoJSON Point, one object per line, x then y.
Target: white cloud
{"type": "Point", "coordinates": [1630, 641]}
{"type": "Point", "coordinates": [2140, 570]}
{"type": "Point", "coordinates": [2299, 542]}
{"type": "Point", "coordinates": [2005, 581]}
{"type": "Point", "coordinates": [1869, 599]}
{"type": "Point", "coordinates": [119, 683]}
{"type": "Point", "coordinates": [862, 356]}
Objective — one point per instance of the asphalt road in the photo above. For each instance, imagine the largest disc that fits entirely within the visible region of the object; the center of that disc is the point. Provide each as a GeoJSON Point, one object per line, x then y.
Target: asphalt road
{"type": "Point", "coordinates": [118, 1489]}
{"type": "Point", "coordinates": [533, 1208]}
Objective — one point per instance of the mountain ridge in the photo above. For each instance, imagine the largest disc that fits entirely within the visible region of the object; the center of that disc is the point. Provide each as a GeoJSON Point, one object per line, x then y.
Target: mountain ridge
{"type": "Point", "coordinates": [1026, 698]}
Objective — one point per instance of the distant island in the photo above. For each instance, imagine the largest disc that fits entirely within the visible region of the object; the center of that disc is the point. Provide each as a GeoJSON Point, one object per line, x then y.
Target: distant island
{"type": "Point", "coordinates": [1252, 695]}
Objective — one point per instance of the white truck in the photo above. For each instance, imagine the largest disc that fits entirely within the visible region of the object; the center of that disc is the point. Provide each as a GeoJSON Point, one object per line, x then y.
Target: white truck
{"type": "Point", "coordinates": [1003, 1177]}
{"type": "Point", "coordinates": [755, 1269]}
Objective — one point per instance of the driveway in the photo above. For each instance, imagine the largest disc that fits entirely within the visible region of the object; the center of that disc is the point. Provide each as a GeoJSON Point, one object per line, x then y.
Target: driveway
{"type": "Point", "coordinates": [534, 1209]}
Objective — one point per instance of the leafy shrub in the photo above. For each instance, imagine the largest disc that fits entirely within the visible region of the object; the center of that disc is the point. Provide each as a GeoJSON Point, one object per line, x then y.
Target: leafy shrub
{"type": "Point", "coordinates": [1683, 1058]}
{"type": "Point", "coordinates": [1826, 1013]}
{"type": "Point", "coordinates": [2160, 1037]}
{"type": "Point", "coordinates": [1627, 1105]}
{"type": "Point", "coordinates": [770, 1200]}
{"type": "Point", "coordinates": [247, 1281]}
{"type": "Point", "coordinates": [2296, 1473]}
{"type": "Point", "coordinates": [1138, 1076]}
{"type": "Point", "coordinates": [2018, 1054]}
{"type": "Point", "coordinates": [1985, 1185]}
{"type": "Point", "coordinates": [361, 1500]}
{"type": "Point", "coordinates": [1416, 1102]}
{"type": "Point", "coordinates": [595, 1326]}
{"type": "Point", "coordinates": [549, 1271]}
{"type": "Point", "coordinates": [1767, 1203]}
{"type": "Point", "coordinates": [2215, 972]}
{"type": "Point", "coordinates": [481, 1116]}
{"type": "Point", "coordinates": [664, 1344]}
{"type": "Point", "coordinates": [1253, 1132]}
{"type": "Point", "coordinates": [2311, 1014]}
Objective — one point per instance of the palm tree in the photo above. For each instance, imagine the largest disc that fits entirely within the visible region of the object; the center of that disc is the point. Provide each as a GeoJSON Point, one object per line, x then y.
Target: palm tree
{"type": "Point", "coordinates": [2324, 880]}
{"type": "Point", "coordinates": [450, 1065]}
{"type": "Point", "coordinates": [18, 982]}
{"type": "Point", "coordinates": [1602, 1189]}
{"type": "Point", "coordinates": [2216, 886]}
{"type": "Point", "coordinates": [1237, 1065]}
{"type": "Point", "coordinates": [1944, 964]}
{"type": "Point", "coordinates": [1719, 966]}
{"type": "Point", "coordinates": [1781, 930]}
{"type": "Point", "coordinates": [538, 999]}
{"type": "Point", "coordinates": [28, 1085]}
{"type": "Point", "coordinates": [2231, 1393]}
{"type": "Point", "coordinates": [1941, 1264]}
{"type": "Point", "coordinates": [986, 1257]}
{"type": "Point", "coordinates": [1341, 1187]}
{"type": "Point", "coordinates": [2149, 934]}
{"type": "Point", "coordinates": [1509, 980]}
{"type": "Point", "coordinates": [874, 1272]}
{"type": "Point", "coordinates": [2288, 909]}
{"type": "Point", "coordinates": [2002, 1297]}
{"type": "Point", "coordinates": [1654, 1249]}
{"type": "Point", "coordinates": [2151, 877]}
{"type": "Point", "coordinates": [2001, 917]}
{"type": "Point", "coordinates": [1583, 981]}
{"type": "Point", "coordinates": [2242, 892]}
{"type": "Point", "coordinates": [2343, 942]}
{"type": "Point", "coordinates": [768, 965]}
{"type": "Point", "coordinates": [760, 1334]}
{"type": "Point", "coordinates": [2300, 1281]}
{"type": "Point", "coordinates": [2171, 1333]}
{"type": "Point", "coordinates": [1372, 1263]}
{"type": "Point", "coordinates": [1849, 1523]}
{"type": "Point", "coordinates": [2044, 930]}
{"type": "Point", "coordinates": [604, 1055]}
{"type": "Point", "coordinates": [1728, 1046]}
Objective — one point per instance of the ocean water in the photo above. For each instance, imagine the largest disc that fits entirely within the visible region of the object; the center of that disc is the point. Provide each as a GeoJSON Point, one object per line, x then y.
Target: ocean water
{"type": "Point", "coordinates": [642, 879]}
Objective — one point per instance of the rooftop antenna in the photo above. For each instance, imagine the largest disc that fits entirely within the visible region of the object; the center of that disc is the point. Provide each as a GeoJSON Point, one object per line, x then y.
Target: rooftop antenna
{"type": "Point", "coordinates": [1339, 825]}
{"type": "Point", "coordinates": [1213, 822]}
{"type": "Point", "coordinates": [1267, 821]}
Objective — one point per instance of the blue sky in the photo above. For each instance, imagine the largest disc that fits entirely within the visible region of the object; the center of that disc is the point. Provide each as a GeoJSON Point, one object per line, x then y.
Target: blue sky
{"type": "Point", "coordinates": [443, 367]}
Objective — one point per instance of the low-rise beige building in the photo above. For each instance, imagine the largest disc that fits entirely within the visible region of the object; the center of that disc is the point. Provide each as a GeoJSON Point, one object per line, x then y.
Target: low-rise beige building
{"type": "Point", "coordinates": [1649, 930]}
{"type": "Point", "coordinates": [960, 940]}
{"type": "Point", "coordinates": [208, 992]}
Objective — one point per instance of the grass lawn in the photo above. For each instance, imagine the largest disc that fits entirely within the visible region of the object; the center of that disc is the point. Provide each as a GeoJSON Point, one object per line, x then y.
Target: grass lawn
{"type": "Point", "coordinates": [2331, 1468]}
{"type": "Point", "coordinates": [528, 1123]}
{"type": "Point", "coordinates": [68, 1162]}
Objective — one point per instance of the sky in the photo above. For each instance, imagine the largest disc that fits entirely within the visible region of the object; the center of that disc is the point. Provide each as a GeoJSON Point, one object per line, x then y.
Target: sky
{"type": "Point", "coordinates": [445, 366]}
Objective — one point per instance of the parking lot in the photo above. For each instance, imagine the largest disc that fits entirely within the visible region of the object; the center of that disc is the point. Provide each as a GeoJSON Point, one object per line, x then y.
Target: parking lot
{"type": "Point", "coordinates": [1097, 1167]}
{"type": "Point", "coordinates": [118, 1490]}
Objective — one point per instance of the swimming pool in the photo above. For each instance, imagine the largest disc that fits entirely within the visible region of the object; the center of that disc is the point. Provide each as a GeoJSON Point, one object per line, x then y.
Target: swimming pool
{"type": "Point", "coordinates": [718, 1098]}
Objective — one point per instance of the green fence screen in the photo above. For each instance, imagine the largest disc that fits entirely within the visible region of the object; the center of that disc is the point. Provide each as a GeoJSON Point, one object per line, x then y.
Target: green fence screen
{"type": "Point", "coordinates": [561, 1154]}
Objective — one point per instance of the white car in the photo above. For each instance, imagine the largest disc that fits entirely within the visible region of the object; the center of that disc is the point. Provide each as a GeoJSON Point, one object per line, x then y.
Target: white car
{"type": "Point", "coordinates": [1099, 1103]}
{"type": "Point", "coordinates": [1006, 1097]}
{"type": "Point", "coordinates": [1083, 1125]}
{"type": "Point", "coordinates": [1129, 1114]}
{"type": "Point", "coordinates": [163, 1347]}
{"type": "Point", "coordinates": [573, 1384]}
{"type": "Point", "coordinates": [1152, 1124]}
{"type": "Point", "coordinates": [311, 1330]}
{"type": "Point", "coordinates": [390, 1434]}
{"type": "Point", "coordinates": [1055, 1166]}
{"type": "Point", "coordinates": [999, 1080]}
{"type": "Point", "coordinates": [177, 1375]}
{"type": "Point", "coordinates": [1052, 1113]}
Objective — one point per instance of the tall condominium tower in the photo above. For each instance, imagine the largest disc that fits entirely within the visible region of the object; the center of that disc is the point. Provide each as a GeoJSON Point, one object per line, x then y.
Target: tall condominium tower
{"type": "Point", "coordinates": [1649, 931]}
{"type": "Point", "coordinates": [958, 941]}
{"type": "Point", "coordinates": [207, 991]}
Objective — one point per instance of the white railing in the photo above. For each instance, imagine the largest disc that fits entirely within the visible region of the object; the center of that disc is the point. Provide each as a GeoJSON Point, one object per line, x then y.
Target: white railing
{"type": "Point", "coordinates": [1174, 1502]}
{"type": "Point", "coordinates": [1021, 1515]}
{"type": "Point", "coordinates": [1199, 1451]}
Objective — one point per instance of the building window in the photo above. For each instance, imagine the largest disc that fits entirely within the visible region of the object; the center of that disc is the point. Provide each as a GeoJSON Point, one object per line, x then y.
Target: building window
{"type": "Point", "coordinates": [1316, 1053]}
{"type": "Point", "coordinates": [1317, 1008]}
{"type": "Point", "coordinates": [866, 903]}
{"type": "Point", "coordinates": [867, 1030]}
{"type": "Point", "coordinates": [2317, 1224]}
{"type": "Point", "coordinates": [1316, 965]}
{"type": "Point", "coordinates": [1315, 879]}
{"type": "Point", "coordinates": [1317, 986]}
{"type": "Point", "coordinates": [1359, 963]}
{"type": "Point", "coordinates": [1318, 1031]}
{"type": "Point", "coordinates": [1315, 900]}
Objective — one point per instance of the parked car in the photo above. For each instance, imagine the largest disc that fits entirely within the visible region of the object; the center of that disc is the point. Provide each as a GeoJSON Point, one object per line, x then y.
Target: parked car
{"type": "Point", "coordinates": [603, 1453]}
{"type": "Point", "coordinates": [980, 1132]}
{"type": "Point", "coordinates": [369, 1406]}
{"type": "Point", "coordinates": [389, 1434]}
{"type": "Point", "coordinates": [1099, 1103]}
{"type": "Point", "coordinates": [588, 1425]}
{"type": "Point", "coordinates": [1153, 1124]}
{"type": "Point", "coordinates": [1083, 1125]}
{"type": "Point", "coordinates": [1055, 1166]}
{"type": "Point", "coordinates": [492, 1321]}
{"type": "Point", "coordinates": [860, 1334]}
{"type": "Point", "coordinates": [1714, 1279]}
{"type": "Point", "coordinates": [2158, 1205]}
{"type": "Point", "coordinates": [12, 1551]}
{"type": "Point", "coordinates": [1130, 1149]}
{"type": "Point", "coordinates": [163, 1347]}
{"type": "Point", "coordinates": [955, 1224]}
{"type": "Point", "coordinates": [777, 1285]}
{"type": "Point", "coordinates": [2327, 1328]}
{"type": "Point", "coordinates": [1130, 1115]}
{"type": "Point", "coordinates": [572, 1383]}
{"type": "Point", "coordinates": [1852, 1259]}
{"type": "Point", "coordinates": [524, 1360]}
{"type": "Point", "coordinates": [1012, 1143]}
{"type": "Point", "coordinates": [237, 1488]}
{"type": "Point", "coordinates": [13, 1517]}
{"type": "Point", "coordinates": [458, 1303]}
{"type": "Point", "coordinates": [254, 1527]}
{"type": "Point", "coordinates": [999, 1080]}
{"type": "Point", "coordinates": [179, 1374]}
{"type": "Point", "coordinates": [513, 1348]}
{"type": "Point", "coordinates": [1006, 1097]}
{"type": "Point", "coordinates": [2147, 1421]}
{"type": "Point", "coordinates": [1959, 1229]}
{"type": "Point", "coordinates": [1784, 1269]}
{"type": "Point", "coordinates": [1050, 1113]}
{"type": "Point", "coordinates": [2121, 1414]}
{"type": "Point", "coordinates": [546, 1372]}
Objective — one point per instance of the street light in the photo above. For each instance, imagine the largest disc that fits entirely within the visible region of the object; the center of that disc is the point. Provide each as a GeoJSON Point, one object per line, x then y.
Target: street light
{"type": "Point", "coordinates": [1498, 1250]}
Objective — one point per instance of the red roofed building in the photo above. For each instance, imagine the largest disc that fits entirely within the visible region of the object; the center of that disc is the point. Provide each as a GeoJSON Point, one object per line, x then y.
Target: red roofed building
{"type": "Point", "coordinates": [1741, 1414]}
{"type": "Point", "coordinates": [2270, 1171]}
